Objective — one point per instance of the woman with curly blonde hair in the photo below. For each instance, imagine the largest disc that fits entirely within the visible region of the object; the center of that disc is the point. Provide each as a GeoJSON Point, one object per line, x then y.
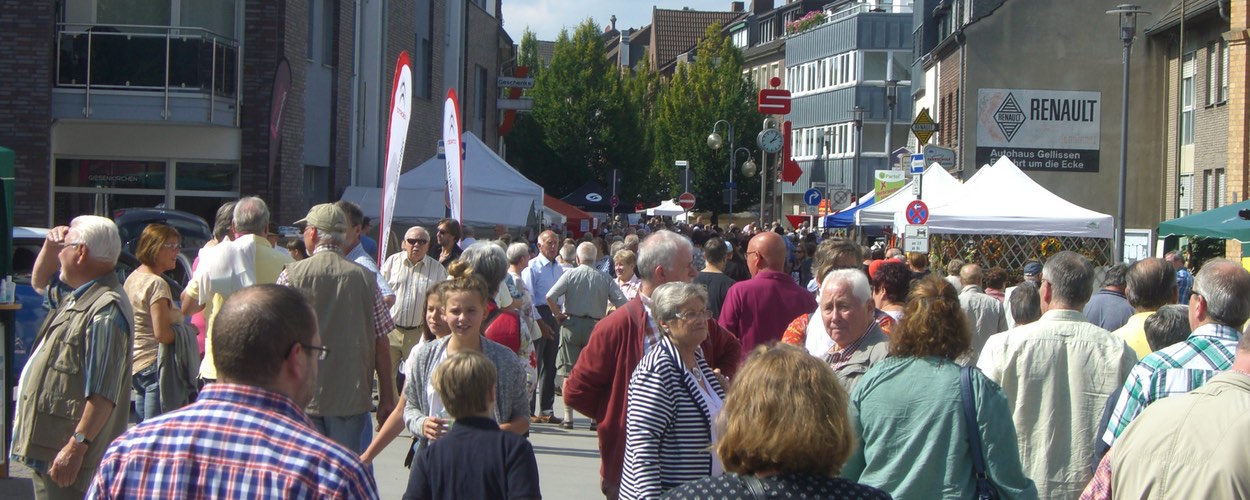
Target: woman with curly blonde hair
{"type": "Point", "coordinates": [908, 410]}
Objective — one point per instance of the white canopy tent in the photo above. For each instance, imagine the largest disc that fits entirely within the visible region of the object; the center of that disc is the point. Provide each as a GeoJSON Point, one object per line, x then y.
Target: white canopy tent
{"type": "Point", "coordinates": [1002, 199]}
{"type": "Point", "coordinates": [494, 192]}
{"type": "Point", "coordinates": [667, 208]}
{"type": "Point", "coordinates": [940, 188]}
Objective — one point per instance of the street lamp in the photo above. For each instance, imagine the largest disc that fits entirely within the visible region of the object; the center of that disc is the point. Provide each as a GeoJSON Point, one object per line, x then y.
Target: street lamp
{"type": "Point", "coordinates": [714, 141]}
{"type": "Point", "coordinates": [891, 98]}
{"type": "Point", "coordinates": [858, 114]}
{"type": "Point", "coordinates": [1128, 29]}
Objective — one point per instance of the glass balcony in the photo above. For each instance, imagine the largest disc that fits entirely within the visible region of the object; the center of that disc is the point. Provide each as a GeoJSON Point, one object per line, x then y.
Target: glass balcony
{"type": "Point", "coordinates": [186, 74]}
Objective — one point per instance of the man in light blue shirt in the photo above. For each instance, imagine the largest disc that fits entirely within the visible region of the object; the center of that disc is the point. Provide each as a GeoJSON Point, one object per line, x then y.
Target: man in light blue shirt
{"type": "Point", "coordinates": [355, 252]}
{"type": "Point", "coordinates": [542, 274]}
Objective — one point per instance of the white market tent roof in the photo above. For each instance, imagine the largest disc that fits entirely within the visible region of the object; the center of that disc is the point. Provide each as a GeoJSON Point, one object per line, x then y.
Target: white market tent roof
{"type": "Point", "coordinates": [667, 208]}
{"type": "Point", "coordinates": [939, 186]}
{"type": "Point", "coordinates": [1002, 199]}
{"type": "Point", "coordinates": [494, 192]}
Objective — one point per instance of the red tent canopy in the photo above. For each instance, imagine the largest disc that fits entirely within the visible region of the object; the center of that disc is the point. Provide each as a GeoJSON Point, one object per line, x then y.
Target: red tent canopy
{"type": "Point", "coordinates": [578, 221]}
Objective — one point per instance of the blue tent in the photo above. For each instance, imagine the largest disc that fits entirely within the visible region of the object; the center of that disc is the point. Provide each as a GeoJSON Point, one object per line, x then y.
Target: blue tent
{"type": "Point", "coordinates": [846, 216]}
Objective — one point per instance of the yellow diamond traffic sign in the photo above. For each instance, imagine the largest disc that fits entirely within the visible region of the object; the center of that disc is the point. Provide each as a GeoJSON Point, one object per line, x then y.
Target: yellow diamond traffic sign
{"type": "Point", "coordinates": [923, 126]}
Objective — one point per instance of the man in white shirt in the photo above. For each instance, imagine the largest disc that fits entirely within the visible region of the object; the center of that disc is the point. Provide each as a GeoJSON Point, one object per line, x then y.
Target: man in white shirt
{"type": "Point", "coordinates": [1057, 373]}
{"type": "Point", "coordinates": [539, 277]}
{"type": "Point", "coordinates": [410, 273]}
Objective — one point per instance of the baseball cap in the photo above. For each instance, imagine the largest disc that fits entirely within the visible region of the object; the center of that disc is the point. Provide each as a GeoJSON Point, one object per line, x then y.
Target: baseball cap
{"type": "Point", "coordinates": [325, 217]}
{"type": "Point", "coordinates": [1032, 268]}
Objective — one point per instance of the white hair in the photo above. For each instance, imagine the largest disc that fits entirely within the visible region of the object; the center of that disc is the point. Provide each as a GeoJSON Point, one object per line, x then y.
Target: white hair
{"type": "Point", "coordinates": [660, 249]}
{"type": "Point", "coordinates": [587, 253]}
{"type": "Point", "coordinates": [99, 235]}
{"type": "Point", "coordinates": [853, 277]}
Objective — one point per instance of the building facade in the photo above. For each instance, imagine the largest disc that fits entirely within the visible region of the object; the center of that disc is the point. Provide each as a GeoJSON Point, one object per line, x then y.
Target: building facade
{"type": "Point", "coordinates": [857, 56]}
{"type": "Point", "coordinates": [114, 104]}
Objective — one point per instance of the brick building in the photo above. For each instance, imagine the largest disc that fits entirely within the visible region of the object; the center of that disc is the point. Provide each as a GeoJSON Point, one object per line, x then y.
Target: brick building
{"type": "Point", "coordinates": [111, 104]}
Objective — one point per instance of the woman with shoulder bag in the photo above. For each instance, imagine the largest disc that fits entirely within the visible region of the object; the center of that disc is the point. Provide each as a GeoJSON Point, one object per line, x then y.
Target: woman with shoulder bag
{"type": "Point", "coordinates": [910, 413]}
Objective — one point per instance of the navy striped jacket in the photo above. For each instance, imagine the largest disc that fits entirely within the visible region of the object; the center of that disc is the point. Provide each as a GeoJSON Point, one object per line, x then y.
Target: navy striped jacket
{"type": "Point", "coordinates": [667, 425]}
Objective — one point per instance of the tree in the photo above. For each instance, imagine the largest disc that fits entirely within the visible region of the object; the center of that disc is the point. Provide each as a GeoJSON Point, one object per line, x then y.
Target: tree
{"type": "Point", "coordinates": [700, 93]}
{"type": "Point", "coordinates": [527, 150]}
{"type": "Point", "coordinates": [579, 105]}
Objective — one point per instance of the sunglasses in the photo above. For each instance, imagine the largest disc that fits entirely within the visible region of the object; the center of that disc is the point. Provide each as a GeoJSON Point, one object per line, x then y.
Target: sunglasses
{"type": "Point", "coordinates": [417, 241]}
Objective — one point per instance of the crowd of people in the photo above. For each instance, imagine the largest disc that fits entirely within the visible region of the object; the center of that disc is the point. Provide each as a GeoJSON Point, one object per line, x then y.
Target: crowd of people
{"type": "Point", "coordinates": [736, 363]}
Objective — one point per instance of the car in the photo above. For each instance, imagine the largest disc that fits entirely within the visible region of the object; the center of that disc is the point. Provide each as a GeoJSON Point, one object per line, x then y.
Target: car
{"type": "Point", "coordinates": [27, 242]}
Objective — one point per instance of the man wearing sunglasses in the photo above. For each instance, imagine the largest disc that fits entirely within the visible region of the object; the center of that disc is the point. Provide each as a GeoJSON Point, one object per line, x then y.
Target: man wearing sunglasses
{"type": "Point", "coordinates": [410, 274]}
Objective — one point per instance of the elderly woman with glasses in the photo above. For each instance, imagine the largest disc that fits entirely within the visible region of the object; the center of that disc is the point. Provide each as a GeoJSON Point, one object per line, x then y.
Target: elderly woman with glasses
{"type": "Point", "coordinates": [674, 396]}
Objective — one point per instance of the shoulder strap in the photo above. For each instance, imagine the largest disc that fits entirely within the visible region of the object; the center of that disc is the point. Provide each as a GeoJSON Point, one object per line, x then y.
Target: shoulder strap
{"type": "Point", "coordinates": [754, 485]}
{"type": "Point", "coordinates": [970, 421]}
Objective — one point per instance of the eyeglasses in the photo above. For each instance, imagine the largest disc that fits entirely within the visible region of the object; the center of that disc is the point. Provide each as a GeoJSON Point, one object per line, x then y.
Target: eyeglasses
{"type": "Point", "coordinates": [1194, 293]}
{"type": "Point", "coordinates": [695, 315]}
{"type": "Point", "coordinates": [73, 244]}
{"type": "Point", "coordinates": [171, 246]}
{"type": "Point", "coordinates": [417, 241]}
{"type": "Point", "coordinates": [322, 351]}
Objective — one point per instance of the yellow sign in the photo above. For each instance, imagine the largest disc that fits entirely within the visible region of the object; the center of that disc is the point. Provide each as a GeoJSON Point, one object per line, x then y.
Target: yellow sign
{"type": "Point", "coordinates": [923, 126]}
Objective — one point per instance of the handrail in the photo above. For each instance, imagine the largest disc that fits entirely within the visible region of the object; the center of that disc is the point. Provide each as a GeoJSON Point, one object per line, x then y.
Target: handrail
{"type": "Point", "coordinates": [853, 10]}
{"type": "Point", "coordinates": [132, 60]}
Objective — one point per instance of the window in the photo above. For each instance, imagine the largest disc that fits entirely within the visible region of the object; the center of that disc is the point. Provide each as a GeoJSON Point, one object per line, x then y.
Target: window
{"type": "Point", "coordinates": [767, 32]}
{"type": "Point", "coordinates": [742, 38]}
{"type": "Point", "coordinates": [828, 141]}
{"type": "Point", "coordinates": [1217, 72]}
{"type": "Point", "coordinates": [822, 74]}
{"type": "Point", "coordinates": [1185, 201]}
{"type": "Point", "coordinates": [1187, 100]}
{"type": "Point", "coordinates": [1213, 188]}
{"type": "Point", "coordinates": [423, 60]}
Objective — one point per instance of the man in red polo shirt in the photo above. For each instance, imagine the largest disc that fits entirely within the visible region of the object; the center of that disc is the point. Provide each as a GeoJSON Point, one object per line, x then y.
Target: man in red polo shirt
{"type": "Point", "coordinates": [758, 309]}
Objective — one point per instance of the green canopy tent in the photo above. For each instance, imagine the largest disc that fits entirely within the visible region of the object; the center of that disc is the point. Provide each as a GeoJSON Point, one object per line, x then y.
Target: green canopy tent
{"type": "Point", "coordinates": [1223, 222]}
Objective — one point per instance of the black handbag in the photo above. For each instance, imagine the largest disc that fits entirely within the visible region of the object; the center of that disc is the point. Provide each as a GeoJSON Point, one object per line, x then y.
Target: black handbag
{"type": "Point", "coordinates": [985, 488]}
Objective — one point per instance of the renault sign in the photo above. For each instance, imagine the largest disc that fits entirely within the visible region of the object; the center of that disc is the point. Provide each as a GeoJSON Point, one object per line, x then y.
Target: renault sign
{"type": "Point", "coordinates": [1055, 130]}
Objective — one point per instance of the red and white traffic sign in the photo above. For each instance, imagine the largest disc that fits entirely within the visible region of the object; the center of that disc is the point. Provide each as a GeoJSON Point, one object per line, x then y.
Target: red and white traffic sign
{"type": "Point", "coordinates": [774, 101]}
{"type": "Point", "coordinates": [686, 200]}
{"type": "Point", "coordinates": [917, 213]}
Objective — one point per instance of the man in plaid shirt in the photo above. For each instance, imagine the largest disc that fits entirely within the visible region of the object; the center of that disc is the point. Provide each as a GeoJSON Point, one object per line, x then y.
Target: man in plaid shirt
{"type": "Point", "coordinates": [1218, 306]}
{"type": "Point", "coordinates": [247, 435]}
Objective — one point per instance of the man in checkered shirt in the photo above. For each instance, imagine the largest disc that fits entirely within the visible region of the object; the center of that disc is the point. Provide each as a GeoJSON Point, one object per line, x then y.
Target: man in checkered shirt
{"type": "Point", "coordinates": [247, 436]}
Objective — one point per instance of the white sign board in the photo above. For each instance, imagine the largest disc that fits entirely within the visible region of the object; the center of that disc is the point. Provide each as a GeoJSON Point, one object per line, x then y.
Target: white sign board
{"type": "Point", "coordinates": [517, 104]}
{"type": "Point", "coordinates": [1137, 244]}
{"type": "Point", "coordinates": [940, 155]}
{"type": "Point", "coordinates": [916, 239]}
{"type": "Point", "coordinates": [1054, 130]}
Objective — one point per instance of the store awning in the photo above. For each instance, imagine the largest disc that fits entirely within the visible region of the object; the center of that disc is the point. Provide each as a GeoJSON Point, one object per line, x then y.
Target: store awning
{"type": "Point", "coordinates": [1223, 222]}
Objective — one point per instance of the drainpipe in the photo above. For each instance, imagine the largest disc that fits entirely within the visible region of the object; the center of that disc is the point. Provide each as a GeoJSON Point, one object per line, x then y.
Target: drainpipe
{"type": "Point", "coordinates": [354, 148]}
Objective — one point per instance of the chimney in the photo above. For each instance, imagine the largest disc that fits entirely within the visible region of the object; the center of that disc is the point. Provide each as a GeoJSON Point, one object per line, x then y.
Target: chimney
{"type": "Point", "coordinates": [761, 6]}
{"type": "Point", "coordinates": [736, 6]}
{"type": "Point", "coordinates": [612, 23]}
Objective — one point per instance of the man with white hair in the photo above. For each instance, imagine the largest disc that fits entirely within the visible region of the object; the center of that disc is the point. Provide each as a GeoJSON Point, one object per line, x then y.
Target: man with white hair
{"type": "Point", "coordinates": [586, 293]}
{"type": "Point", "coordinates": [847, 311]}
{"type": "Point", "coordinates": [73, 397]}
{"type": "Point", "coordinates": [410, 273]}
{"type": "Point", "coordinates": [598, 384]}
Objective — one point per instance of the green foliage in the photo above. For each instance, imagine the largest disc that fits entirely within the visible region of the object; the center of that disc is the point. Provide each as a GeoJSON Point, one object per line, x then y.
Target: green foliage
{"type": "Point", "coordinates": [700, 93]}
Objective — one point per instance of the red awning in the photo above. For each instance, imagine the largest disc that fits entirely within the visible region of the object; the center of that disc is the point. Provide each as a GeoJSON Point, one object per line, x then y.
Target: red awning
{"type": "Point", "coordinates": [569, 211]}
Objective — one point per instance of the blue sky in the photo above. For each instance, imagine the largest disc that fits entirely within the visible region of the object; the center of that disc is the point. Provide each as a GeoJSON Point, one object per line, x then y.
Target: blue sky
{"type": "Point", "coordinates": [546, 17]}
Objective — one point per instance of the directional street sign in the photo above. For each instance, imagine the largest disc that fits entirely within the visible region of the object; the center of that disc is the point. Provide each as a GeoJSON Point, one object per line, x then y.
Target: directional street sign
{"type": "Point", "coordinates": [917, 212]}
{"type": "Point", "coordinates": [517, 104]}
{"type": "Point", "coordinates": [942, 156]}
{"type": "Point", "coordinates": [916, 239]}
{"type": "Point", "coordinates": [923, 126]}
{"type": "Point", "coordinates": [812, 197]}
{"type": "Point", "coordinates": [686, 200]}
{"type": "Point", "coordinates": [515, 82]}
{"type": "Point", "coordinates": [917, 164]}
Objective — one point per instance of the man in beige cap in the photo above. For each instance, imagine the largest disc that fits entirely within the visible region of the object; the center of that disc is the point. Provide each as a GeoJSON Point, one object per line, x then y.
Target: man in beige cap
{"type": "Point", "coordinates": [354, 322]}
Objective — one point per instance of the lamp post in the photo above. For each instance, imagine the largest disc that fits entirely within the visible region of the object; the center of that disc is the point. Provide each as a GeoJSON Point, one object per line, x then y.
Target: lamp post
{"type": "Point", "coordinates": [764, 174]}
{"type": "Point", "coordinates": [748, 170]}
{"type": "Point", "coordinates": [891, 99]}
{"type": "Point", "coordinates": [714, 141]}
{"type": "Point", "coordinates": [1128, 29]}
{"type": "Point", "coordinates": [858, 114]}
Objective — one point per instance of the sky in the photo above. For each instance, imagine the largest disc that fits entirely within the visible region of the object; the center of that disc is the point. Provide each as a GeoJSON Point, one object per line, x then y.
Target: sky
{"type": "Point", "coordinates": [546, 17]}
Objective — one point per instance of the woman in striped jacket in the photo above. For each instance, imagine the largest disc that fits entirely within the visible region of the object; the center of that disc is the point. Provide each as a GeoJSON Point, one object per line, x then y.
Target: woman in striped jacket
{"type": "Point", "coordinates": [674, 397]}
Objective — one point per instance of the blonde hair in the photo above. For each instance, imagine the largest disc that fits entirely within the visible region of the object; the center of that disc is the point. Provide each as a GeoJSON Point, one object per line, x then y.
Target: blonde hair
{"type": "Point", "coordinates": [463, 382]}
{"type": "Point", "coordinates": [793, 391]}
{"type": "Point", "coordinates": [461, 278]}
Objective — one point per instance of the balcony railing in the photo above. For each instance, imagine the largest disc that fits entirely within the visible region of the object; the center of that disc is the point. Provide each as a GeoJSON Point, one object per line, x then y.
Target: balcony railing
{"type": "Point", "coordinates": [848, 11]}
{"type": "Point", "coordinates": [177, 62]}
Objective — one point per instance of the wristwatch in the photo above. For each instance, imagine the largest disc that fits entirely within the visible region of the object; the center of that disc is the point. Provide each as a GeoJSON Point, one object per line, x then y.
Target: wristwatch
{"type": "Point", "coordinates": [82, 438]}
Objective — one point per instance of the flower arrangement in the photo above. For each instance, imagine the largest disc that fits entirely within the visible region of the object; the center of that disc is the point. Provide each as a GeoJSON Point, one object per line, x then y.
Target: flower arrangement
{"type": "Point", "coordinates": [808, 21]}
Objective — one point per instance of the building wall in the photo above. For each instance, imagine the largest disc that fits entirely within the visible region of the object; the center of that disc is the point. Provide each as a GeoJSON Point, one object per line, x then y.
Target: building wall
{"type": "Point", "coordinates": [26, 102]}
{"type": "Point", "coordinates": [1238, 99]}
{"type": "Point", "coordinates": [481, 51]}
{"type": "Point", "coordinates": [1002, 51]}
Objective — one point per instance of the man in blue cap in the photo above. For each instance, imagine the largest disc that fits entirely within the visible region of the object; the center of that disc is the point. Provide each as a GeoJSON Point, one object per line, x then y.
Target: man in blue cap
{"type": "Point", "coordinates": [1032, 273]}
